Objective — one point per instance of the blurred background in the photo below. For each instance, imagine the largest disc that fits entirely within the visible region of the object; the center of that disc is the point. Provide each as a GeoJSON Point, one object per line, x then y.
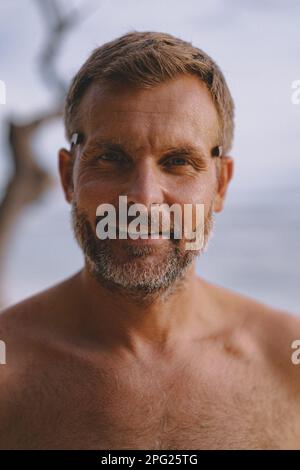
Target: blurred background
{"type": "Point", "coordinates": [255, 249]}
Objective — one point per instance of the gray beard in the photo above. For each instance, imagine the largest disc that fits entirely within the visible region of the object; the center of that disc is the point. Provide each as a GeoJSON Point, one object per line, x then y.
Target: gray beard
{"type": "Point", "coordinates": [135, 277]}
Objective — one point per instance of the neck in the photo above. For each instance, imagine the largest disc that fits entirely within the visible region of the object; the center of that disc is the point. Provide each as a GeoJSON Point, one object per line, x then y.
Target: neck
{"type": "Point", "coordinates": [159, 322]}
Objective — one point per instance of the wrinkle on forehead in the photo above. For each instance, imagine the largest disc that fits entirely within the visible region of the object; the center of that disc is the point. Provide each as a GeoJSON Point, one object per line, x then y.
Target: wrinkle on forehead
{"type": "Point", "coordinates": [181, 107]}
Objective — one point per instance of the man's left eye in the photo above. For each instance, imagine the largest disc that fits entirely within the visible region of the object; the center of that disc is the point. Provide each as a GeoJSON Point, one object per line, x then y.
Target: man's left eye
{"type": "Point", "coordinates": [177, 161]}
{"type": "Point", "coordinates": [110, 157]}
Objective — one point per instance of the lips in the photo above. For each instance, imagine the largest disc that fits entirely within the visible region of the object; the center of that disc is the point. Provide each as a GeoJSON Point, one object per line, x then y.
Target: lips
{"type": "Point", "coordinates": [141, 233]}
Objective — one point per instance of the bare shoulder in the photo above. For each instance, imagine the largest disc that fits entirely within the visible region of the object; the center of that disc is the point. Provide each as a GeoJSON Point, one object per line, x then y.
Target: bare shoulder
{"type": "Point", "coordinates": [271, 335]}
{"type": "Point", "coordinates": [252, 311]}
{"type": "Point", "coordinates": [32, 337]}
{"type": "Point", "coordinates": [44, 300]}
{"type": "Point", "coordinates": [39, 316]}
{"type": "Point", "coordinates": [30, 328]}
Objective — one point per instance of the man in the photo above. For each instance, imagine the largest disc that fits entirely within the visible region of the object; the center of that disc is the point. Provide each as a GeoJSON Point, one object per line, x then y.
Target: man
{"type": "Point", "coordinates": [135, 351]}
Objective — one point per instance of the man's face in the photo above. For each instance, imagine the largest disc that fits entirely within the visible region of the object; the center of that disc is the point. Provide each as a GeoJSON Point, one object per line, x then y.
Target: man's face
{"type": "Point", "coordinates": [153, 146]}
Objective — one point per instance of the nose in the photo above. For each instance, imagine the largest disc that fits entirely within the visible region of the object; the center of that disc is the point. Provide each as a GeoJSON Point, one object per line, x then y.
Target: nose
{"type": "Point", "coordinates": [145, 185]}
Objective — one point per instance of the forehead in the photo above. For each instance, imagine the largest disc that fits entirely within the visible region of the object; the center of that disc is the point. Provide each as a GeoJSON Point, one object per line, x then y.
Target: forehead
{"type": "Point", "coordinates": [178, 110]}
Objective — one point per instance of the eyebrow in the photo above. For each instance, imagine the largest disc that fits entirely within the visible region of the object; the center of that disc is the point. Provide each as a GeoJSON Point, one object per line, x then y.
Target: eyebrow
{"type": "Point", "coordinates": [182, 149]}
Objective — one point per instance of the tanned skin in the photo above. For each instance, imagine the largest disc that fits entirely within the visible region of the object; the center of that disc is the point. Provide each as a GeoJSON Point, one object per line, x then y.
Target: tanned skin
{"type": "Point", "coordinates": [89, 367]}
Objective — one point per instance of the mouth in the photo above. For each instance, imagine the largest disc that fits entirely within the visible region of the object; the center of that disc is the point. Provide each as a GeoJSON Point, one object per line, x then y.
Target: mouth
{"type": "Point", "coordinates": [143, 234]}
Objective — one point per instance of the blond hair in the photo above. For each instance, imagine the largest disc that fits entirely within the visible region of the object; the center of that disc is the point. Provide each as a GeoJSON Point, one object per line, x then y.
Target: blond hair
{"type": "Point", "coordinates": [146, 59]}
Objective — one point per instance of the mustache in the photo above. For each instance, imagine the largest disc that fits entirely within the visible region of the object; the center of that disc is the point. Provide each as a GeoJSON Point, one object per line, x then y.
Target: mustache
{"type": "Point", "coordinates": [158, 226]}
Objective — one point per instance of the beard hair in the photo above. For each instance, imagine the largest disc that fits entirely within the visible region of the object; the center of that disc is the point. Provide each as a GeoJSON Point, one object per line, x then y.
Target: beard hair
{"type": "Point", "coordinates": [136, 278]}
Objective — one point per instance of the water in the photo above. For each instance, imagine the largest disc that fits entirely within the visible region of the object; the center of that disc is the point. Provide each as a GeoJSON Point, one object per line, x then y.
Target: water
{"type": "Point", "coordinates": [255, 249]}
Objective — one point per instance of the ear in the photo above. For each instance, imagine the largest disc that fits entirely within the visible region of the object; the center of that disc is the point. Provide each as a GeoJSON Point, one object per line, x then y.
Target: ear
{"type": "Point", "coordinates": [225, 175]}
{"type": "Point", "coordinates": [65, 165]}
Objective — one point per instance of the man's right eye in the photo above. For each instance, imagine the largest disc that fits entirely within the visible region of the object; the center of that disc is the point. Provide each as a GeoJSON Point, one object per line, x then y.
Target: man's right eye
{"type": "Point", "coordinates": [110, 157]}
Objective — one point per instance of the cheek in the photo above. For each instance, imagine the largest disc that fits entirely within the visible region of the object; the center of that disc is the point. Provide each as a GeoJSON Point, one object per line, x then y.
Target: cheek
{"type": "Point", "coordinates": [201, 191]}
{"type": "Point", "coordinates": [198, 214]}
{"type": "Point", "coordinates": [90, 192]}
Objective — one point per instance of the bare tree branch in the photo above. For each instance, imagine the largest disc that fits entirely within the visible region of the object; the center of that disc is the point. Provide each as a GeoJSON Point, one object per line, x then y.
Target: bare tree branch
{"type": "Point", "coordinates": [58, 23]}
{"type": "Point", "coordinates": [29, 180]}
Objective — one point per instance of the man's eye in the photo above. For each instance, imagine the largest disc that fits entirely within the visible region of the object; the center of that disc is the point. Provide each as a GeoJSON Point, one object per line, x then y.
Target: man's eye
{"type": "Point", "coordinates": [177, 161]}
{"type": "Point", "coordinates": [110, 157]}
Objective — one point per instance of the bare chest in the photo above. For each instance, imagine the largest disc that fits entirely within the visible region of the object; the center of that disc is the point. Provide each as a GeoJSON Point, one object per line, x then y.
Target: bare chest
{"type": "Point", "coordinates": [108, 408]}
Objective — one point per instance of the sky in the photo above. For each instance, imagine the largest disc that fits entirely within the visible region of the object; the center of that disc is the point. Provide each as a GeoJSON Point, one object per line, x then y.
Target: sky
{"type": "Point", "coordinates": [257, 45]}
